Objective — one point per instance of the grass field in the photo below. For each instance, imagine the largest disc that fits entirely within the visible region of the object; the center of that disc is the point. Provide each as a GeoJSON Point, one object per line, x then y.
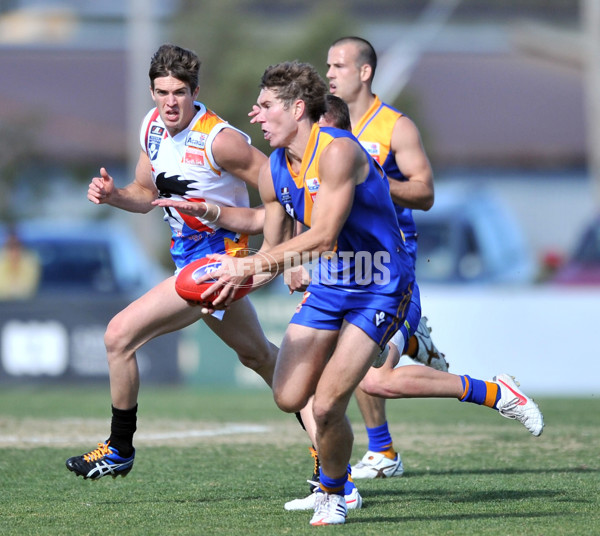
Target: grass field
{"type": "Point", "coordinates": [223, 462]}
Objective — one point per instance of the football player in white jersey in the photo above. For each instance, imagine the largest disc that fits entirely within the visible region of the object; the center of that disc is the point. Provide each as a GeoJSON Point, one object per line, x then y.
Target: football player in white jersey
{"type": "Point", "coordinates": [188, 153]}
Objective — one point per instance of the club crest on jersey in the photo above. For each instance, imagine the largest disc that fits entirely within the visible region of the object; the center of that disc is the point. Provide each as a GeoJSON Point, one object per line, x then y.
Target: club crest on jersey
{"type": "Point", "coordinates": [373, 148]}
{"type": "Point", "coordinates": [196, 139]}
{"type": "Point", "coordinates": [313, 187]}
{"type": "Point", "coordinates": [153, 146]}
{"type": "Point", "coordinates": [286, 201]}
{"type": "Point", "coordinates": [379, 318]}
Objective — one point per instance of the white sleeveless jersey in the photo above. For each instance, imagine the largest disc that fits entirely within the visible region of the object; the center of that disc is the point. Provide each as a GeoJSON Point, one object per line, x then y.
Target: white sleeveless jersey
{"type": "Point", "coordinates": [183, 168]}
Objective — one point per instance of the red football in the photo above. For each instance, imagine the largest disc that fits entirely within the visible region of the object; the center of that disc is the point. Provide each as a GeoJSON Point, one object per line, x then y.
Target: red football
{"type": "Point", "coordinates": [188, 289]}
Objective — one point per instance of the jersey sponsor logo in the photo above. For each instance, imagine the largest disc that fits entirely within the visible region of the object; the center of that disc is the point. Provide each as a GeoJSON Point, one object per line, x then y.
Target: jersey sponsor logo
{"type": "Point", "coordinates": [193, 156]}
{"type": "Point", "coordinates": [286, 201]}
{"type": "Point", "coordinates": [373, 148]}
{"type": "Point", "coordinates": [157, 130]}
{"type": "Point", "coordinates": [153, 146]}
{"type": "Point", "coordinates": [379, 318]}
{"type": "Point", "coordinates": [196, 139]}
{"type": "Point", "coordinates": [313, 187]}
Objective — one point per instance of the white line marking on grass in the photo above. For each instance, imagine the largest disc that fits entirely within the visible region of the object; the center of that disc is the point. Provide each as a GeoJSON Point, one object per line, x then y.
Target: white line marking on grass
{"type": "Point", "coordinates": [227, 429]}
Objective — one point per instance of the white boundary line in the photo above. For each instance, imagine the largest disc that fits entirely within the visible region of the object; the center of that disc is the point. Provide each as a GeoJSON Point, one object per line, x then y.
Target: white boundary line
{"type": "Point", "coordinates": [227, 429]}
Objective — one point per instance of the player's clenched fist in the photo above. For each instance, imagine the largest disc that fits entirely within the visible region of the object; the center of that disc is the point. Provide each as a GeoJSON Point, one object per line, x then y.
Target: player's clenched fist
{"type": "Point", "coordinates": [101, 188]}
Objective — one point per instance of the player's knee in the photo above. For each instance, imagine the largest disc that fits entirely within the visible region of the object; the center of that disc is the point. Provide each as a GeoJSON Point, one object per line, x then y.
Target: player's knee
{"type": "Point", "coordinates": [369, 386]}
{"type": "Point", "coordinates": [374, 382]}
{"type": "Point", "coordinates": [116, 337]}
{"type": "Point", "coordinates": [326, 411]}
{"type": "Point", "coordinates": [288, 395]}
{"type": "Point", "coordinates": [384, 384]}
{"type": "Point", "coordinates": [257, 359]}
{"type": "Point", "coordinates": [288, 401]}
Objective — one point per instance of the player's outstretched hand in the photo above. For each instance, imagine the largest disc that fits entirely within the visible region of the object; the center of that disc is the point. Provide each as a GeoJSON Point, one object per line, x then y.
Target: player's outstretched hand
{"type": "Point", "coordinates": [101, 188]}
{"type": "Point", "coordinates": [198, 209]}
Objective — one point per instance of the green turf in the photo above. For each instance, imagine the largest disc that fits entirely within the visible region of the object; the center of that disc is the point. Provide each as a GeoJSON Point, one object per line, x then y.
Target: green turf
{"type": "Point", "coordinates": [468, 471]}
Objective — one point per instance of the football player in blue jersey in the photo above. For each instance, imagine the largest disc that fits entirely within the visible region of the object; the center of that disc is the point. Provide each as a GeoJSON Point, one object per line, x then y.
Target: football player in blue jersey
{"type": "Point", "coordinates": [362, 285]}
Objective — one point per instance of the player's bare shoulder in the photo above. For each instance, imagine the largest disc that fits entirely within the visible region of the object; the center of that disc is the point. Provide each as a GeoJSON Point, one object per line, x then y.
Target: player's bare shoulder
{"type": "Point", "coordinates": [405, 133]}
{"type": "Point", "coordinates": [233, 152]}
{"type": "Point", "coordinates": [230, 145]}
{"type": "Point", "coordinates": [345, 148]}
{"type": "Point", "coordinates": [345, 156]}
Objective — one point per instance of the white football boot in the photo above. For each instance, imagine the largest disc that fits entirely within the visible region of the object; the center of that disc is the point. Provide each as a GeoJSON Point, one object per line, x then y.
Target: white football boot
{"type": "Point", "coordinates": [353, 500]}
{"type": "Point", "coordinates": [427, 353]}
{"type": "Point", "coordinates": [514, 404]}
{"type": "Point", "coordinates": [330, 509]}
{"type": "Point", "coordinates": [377, 465]}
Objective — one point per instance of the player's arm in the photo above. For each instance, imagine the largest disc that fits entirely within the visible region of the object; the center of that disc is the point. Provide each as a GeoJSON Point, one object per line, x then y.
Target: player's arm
{"type": "Point", "coordinates": [244, 220]}
{"type": "Point", "coordinates": [417, 191]}
{"type": "Point", "coordinates": [342, 166]}
{"type": "Point", "coordinates": [233, 153]}
{"type": "Point", "coordinates": [239, 219]}
{"type": "Point", "coordinates": [135, 197]}
{"type": "Point", "coordinates": [278, 227]}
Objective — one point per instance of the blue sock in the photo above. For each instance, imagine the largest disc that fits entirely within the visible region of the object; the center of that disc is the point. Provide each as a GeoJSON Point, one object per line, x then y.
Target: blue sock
{"type": "Point", "coordinates": [333, 485]}
{"type": "Point", "coordinates": [380, 438]}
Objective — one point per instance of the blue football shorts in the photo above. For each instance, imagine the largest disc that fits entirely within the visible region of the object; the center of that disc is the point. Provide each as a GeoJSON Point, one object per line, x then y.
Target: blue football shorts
{"type": "Point", "coordinates": [378, 315]}
{"type": "Point", "coordinates": [187, 249]}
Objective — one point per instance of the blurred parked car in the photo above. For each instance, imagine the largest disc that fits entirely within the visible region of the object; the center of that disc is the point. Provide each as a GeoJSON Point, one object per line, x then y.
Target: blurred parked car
{"type": "Point", "coordinates": [470, 236]}
{"type": "Point", "coordinates": [89, 272]}
{"type": "Point", "coordinates": [88, 257]}
{"type": "Point", "coordinates": [583, 267]}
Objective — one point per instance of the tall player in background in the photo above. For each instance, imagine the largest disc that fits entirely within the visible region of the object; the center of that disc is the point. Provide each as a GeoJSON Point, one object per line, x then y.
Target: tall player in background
{"type": "Point", "coordinates": [394, 141]}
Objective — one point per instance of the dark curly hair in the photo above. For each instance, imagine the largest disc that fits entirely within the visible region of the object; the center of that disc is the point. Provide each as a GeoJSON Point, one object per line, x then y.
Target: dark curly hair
{"type": "Point", "coordinates": [293, 80]}
{"type": "Point", "coordinates": [180, 63]}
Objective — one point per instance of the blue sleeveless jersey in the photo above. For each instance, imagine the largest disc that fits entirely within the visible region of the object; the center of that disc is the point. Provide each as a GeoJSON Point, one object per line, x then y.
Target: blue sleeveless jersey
{"type": "Point", "coordinates": [370, 254]}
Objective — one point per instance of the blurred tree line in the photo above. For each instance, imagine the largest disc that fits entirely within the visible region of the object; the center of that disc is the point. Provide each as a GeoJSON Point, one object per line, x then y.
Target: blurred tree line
{"type": "Point", "coordinates": [236, 43]}
{"type": "Point", "coordinates": [237, 39]}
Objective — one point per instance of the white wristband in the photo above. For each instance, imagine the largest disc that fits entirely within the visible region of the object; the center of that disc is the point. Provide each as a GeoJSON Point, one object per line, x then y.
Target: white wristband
{"type": "Point", "coordinates": [216, 217]}
{"type": "Point", "coordinates": [205, 211]}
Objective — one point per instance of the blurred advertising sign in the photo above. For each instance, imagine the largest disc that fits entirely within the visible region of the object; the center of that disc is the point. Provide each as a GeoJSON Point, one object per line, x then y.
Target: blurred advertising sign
{"type": "Point", "coordinates": [61, 337]}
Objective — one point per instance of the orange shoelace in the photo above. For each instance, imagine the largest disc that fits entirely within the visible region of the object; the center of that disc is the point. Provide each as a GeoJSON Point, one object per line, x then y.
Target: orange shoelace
{"type": "Point", "coordinates": [314, 454]}
{"type": "Point", "coordinates": [101, 451]}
